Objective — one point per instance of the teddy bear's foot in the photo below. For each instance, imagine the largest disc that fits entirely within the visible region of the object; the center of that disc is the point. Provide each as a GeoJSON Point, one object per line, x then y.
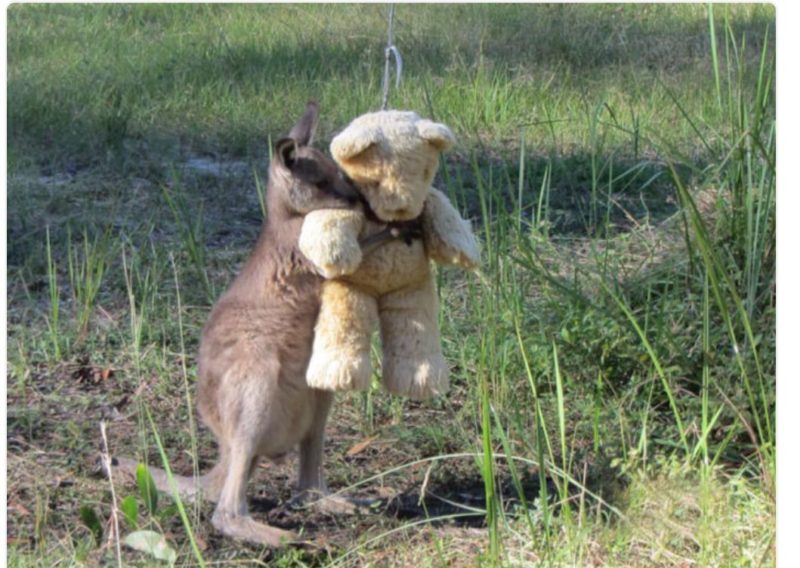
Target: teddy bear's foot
{"type": "Point", "coordinates": [416, 377]}
{"type": "Point", "coordinates": [338, 371]}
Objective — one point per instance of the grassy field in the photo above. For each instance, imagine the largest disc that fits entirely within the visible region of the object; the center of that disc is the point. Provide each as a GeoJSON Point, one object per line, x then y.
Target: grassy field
{"type": "Point", "coordinates": [613, 360]}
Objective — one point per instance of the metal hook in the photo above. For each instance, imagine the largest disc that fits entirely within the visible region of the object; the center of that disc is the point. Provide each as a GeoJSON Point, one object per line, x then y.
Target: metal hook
{"type": "Point", "coordinates": [391, 50]}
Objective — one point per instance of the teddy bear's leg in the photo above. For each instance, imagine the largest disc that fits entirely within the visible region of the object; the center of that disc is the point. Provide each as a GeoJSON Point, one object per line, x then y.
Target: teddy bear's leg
{"type": "Point", "coordinates": [340, 355]}
{"type": "Point", "coordinates": [413, 364]}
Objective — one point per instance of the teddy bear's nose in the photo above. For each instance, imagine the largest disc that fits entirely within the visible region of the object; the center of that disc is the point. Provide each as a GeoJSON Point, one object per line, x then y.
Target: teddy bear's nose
{"type": "Point", "coordinates": [398, 206]}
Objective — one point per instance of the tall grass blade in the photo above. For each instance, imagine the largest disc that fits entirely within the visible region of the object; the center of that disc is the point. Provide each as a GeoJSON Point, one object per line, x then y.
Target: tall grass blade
{"type": "Point", "coordinates": [487, 473]}
{"type": "Point", "coordinates": [521, 181]}
{"type": "Point", "coordinates": [714, 59]}
{"type": "Point", "coordinates": [656, 364]}
{"type": "Point", "coordinates": [55, 302]}
{"type": "Point", "coordinates": [562, 431]}
{"type": "Point", "coordinates": [186, 390]}
{"type": "Point", "coordinates": [728, 300]}
{"type": "Point", "coordinates": [191, 235]}
{"type": "Point", "coordinates": [87, 272]}
{"type": "Point", "coordinates": [175, 494]}
{"type": "Point", "coordinates": [512, 468]}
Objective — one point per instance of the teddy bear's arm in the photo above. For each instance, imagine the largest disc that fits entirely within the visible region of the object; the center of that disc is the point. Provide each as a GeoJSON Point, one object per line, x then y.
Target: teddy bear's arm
{"type": "Point", "coordinates": [448, 237]}
{"type": "Point", "coordinates": [329, 239]}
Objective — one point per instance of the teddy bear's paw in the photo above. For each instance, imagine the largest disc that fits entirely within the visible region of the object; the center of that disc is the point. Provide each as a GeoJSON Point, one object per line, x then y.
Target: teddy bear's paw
{"type": "Point", "coordinates": [449, 238]}
{"type": "Point", "coordinates": [469, 257]}
{"type": "Point", "coordinates": [416, 378]}
{"type": "Point", "coordinates": [331, 261]}
{"type": "Point", "coordinates": [337, 371]}
{"type": "Point", "coordinates": [341, 263]}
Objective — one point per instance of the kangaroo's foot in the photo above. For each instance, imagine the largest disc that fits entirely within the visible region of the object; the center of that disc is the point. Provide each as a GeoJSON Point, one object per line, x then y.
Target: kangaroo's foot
{"type": "Point", "coordinates": [244, 527]}
{"type": "Point", "coordinates": [330, 504]}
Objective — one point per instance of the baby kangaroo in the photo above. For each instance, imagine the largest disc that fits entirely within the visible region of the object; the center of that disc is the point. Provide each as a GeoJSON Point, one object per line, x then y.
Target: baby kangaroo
{"type": "Point", "coordinates": [256, 345]}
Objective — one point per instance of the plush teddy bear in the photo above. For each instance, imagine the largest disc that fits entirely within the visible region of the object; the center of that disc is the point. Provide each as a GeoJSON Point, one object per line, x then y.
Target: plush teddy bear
{"type": "Point", "coordinates": [392, 156]}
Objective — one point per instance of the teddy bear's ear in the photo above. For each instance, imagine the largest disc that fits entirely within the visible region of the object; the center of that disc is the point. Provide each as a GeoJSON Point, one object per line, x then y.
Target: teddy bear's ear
{"type": "Point", "coordinates": [353, 141]}
{"type": "Point", "coordinates": [437, 134]}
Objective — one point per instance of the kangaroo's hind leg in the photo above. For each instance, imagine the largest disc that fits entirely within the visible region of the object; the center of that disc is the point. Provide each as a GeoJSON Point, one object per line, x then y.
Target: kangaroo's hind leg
{"type": "Point", "coordinates": [249, 402]}
{"type": "Point", "coordinates": [312, 489]}
{"type": "Point", "coordinates": [231, 516]}
{"type": "Point", "coordinates": [311, 476]}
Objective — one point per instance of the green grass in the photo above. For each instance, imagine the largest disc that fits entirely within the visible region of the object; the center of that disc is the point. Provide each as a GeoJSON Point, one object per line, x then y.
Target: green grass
{"type": "Point", "coordinates": [613, 360]}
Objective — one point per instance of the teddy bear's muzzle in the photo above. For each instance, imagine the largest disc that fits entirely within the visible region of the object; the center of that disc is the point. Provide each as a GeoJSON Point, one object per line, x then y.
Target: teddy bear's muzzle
{"type": "Point", "coordinates": [403, 214]}
{"type": "Point", "coordinates": [402, 211]}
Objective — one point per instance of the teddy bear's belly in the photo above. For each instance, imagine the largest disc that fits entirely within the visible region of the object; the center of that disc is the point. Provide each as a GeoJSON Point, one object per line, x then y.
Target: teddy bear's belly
{"type": "Point", "coordinates": [392, 266]}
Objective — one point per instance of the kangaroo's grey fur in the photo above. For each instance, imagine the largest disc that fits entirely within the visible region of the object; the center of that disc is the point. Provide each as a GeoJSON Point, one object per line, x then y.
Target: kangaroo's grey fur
{"type": "Point", "coordinates": [256, 345]}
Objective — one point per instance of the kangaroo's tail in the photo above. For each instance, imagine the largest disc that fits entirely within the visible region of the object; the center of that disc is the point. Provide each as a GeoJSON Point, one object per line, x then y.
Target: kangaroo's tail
{"type": "Point", "coordinates": [208, 485]}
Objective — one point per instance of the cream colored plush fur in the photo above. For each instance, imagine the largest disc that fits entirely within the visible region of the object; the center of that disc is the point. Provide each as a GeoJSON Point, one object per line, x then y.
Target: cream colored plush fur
{"type": "Point", "coordinates": [392, 156]}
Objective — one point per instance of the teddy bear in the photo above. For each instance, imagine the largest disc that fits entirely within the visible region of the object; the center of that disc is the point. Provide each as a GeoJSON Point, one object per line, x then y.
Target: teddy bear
{"type": "Point", "coordinates": [392, 157]}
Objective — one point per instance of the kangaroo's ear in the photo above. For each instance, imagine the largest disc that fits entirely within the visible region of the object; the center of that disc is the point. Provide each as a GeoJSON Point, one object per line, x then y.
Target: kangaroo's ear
{"type": "Point", "coordinates": [354, 141]}
{"type": "Point", "coordinates": [437, 134]}
{"type": "Point", "coordinates": [303, 132]}
{"type": "Point", "coordinates": [286, 152]}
